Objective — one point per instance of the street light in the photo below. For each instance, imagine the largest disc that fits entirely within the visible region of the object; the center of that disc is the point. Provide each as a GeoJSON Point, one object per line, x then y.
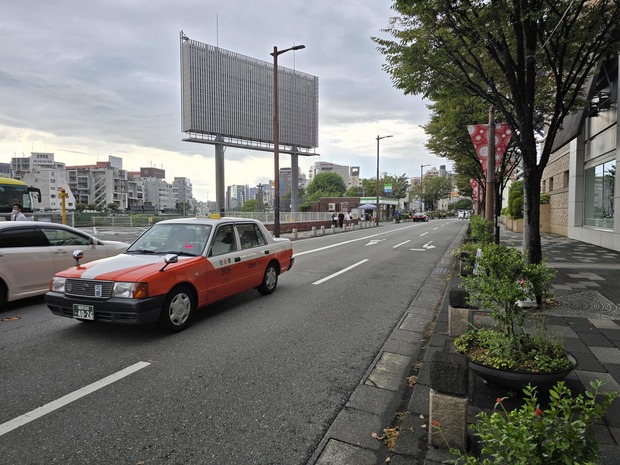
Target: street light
{"type": "Point", "coordinates": [421, 188]}
{"type": "Point", "coordinates": [276, 138]}
{"type": "Point", "coordinates": [378, 210]}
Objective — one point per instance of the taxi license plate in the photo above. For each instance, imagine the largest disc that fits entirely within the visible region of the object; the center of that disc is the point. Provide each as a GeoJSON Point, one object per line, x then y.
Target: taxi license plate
{"type": "Point", "coordinates": [83, 312]}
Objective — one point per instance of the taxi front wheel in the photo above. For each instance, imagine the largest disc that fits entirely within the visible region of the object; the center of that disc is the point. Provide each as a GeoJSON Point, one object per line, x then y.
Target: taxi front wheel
{"type": "Point", "coordinates": [270, 280]}
{"type": "Point", "coordinates": [177, 310]}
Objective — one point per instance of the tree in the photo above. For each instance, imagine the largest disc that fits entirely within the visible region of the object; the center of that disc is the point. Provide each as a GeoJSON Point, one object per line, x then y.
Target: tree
{"type": "Point", "coordinates": [530, 59]}
{"type": "Point", "coordinates": [249, 206]}
{"type": "Point", "coordinates": [354, 191]}
{"type": "Point", "coordinates": [435, 188]}
{"type": "Point", "coordinates": [326, 185]}
{"type": "Point", "coordinates": [112, 206]}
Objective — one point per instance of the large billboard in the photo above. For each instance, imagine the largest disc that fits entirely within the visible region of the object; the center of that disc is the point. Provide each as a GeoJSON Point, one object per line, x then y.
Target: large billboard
{"type": "Point", "coordinates": [229, 97]}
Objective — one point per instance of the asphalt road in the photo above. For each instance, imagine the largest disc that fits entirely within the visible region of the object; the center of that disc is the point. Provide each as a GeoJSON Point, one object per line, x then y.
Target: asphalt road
{"type": "Point", "coordinates": [255, 380]}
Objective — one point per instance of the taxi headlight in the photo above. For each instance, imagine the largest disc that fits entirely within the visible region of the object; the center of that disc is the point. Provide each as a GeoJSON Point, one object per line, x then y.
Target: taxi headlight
{"type": "Point", "coordinates": [57, 284]}
{"type": "Point", "coordinates": [130, 290]}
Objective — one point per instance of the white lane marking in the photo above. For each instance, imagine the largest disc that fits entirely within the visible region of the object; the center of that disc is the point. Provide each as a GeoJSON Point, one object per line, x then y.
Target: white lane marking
{"type": "Point", "coordinates": [299, 254]}
{"type": "Point", "coordinates": [418, 250]}
{"type": "Point", "coordinates": [374, 241]}
{"type": "Point", "coordinates": [71, 397]}
{"type": "Point", "coordinates": [398, 245]}
{"type": "Point", "coordinates": [327, 278]}
{"type": "Point", "coordinates": [428, 245]}
{"type": "Point", "coordinates": [424, 234]}
{"type": "Point", "coordinates": [435, 229]}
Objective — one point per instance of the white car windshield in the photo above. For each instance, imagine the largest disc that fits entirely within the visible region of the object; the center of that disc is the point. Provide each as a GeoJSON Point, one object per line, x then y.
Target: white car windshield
{"type": "Point", "coordinates": [179, 239]}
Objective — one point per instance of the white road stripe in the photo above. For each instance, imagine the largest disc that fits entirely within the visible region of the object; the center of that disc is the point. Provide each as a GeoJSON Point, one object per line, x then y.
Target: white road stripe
{"type": "Point", "coordinates": [402, 243]}
{"type": "Point", "coordinates": [424, 234]}
{"type": "Point", "coordinates": [327, 278]}
{"type": "Point", "coordinates": [71, 397]}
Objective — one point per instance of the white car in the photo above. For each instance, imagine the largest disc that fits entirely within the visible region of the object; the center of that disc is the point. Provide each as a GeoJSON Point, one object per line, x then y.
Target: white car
{"type": "Point", "coordinates": [31, 252]}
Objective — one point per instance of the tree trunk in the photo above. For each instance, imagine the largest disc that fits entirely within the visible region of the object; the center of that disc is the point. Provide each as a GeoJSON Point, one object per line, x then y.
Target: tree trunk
{"type": "Point", "coordinates": [531, 216]}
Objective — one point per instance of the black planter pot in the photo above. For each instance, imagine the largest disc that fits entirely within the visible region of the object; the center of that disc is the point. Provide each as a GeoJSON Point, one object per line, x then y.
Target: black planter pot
{"type": "Point", "coordinates": [517, 380]}
{"type": "Point", "coordinates": [458, 298]}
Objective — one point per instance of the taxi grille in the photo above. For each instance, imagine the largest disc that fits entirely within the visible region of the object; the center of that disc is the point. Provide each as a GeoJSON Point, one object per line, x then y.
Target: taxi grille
{"type": "Point", "coordinates": [89, 288]}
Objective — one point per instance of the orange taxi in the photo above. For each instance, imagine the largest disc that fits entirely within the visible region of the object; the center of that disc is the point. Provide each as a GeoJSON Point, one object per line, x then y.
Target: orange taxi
{"type": "Point", "coordinates": [174, 268]}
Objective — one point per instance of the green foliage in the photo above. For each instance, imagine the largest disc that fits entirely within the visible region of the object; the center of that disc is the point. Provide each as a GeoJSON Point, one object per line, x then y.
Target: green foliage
{"type": "Point", "coordinates": [461, 204]}
{"type": "Point", "coordinates": [561, 434]}
{"type": "Point", "coordinates": [326, 185]}
{"type": "Point", "coordinates": [481, 230]}
{"type": "Point", "coordinates": [515, 200]}
{"type": "Point", "coordinates": [249, 206]}
{"type": "Point", "coordinates": [545, 198]}
{"type": "Point", "coordinates": [354, 191]}
{"type": "Point", "coordinates": [502, 281]}
{"type": "Point", "coordinates": [435, 189]}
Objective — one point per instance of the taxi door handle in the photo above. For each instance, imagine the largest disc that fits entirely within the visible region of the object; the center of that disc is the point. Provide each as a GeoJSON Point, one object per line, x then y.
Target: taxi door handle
{"type": "Point", "coordinates": [237, 259]}
{"type": "Point", "coordinates": [266, 252]}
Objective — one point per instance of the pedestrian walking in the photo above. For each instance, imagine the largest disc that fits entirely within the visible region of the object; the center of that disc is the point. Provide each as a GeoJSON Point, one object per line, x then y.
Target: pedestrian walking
{"type": "Point", "coordinates": [334, 219]}
{"type": "Point", "coordinates": [341, 219]}
{"type": "Point", "coordinates": [16, 214]}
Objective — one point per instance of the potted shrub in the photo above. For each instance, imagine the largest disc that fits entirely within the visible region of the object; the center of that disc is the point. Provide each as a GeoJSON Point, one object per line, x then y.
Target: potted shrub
{"type": "Point", "coordinates": [504, 353]}
{"type": "Point", "coordinates": [560, 433]}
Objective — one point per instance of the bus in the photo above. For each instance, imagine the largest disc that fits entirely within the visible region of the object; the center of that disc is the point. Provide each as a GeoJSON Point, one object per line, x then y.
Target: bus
{"type": "Point", "coordinates": [14, 191]}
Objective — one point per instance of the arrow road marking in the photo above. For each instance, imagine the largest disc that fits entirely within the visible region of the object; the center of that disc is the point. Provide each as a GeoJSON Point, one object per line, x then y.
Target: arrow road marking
{"type": "Point", "coordinates": [428, 245]}
{"type": "Point", "coordinates": [374, 241]}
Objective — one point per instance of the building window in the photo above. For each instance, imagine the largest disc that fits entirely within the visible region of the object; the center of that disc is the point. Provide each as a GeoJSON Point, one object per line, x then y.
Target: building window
{"type": "Point", "coordinates": [551, 184]}
{"type": "Point", "coordinates": [599, 201]}
{"type": "Point", "coordinates": [565, 180]}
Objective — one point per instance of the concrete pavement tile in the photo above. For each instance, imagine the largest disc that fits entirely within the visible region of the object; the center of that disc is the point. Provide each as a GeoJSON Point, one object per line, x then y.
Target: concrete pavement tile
{"type": "Point", "coordinates": [562, 331]}
{"type": "Point", "coordinates": [606, 354]}
{"type": "Point", "coordinates": [414, 323]}
{"type": "Point", "coordinates": [588, 362]}
{"type": "Point", "coordinates": [575, 345]}
{"type": "Point", "coordinates": [341, 453]}
{"type": "Point", "coordinates": [372, 400]}
{"type": "Point", "coordinates": [603, 435]}
{"type": "Point", "coordinates": [610, 455]}
{"type": "Point", "coordinates": [402, 347]}
{"type": "Point", "coordinates": [612, 334]}
{"type": "Point", "coordinates": [595, 340]}
{"type": "Point", "coordinates": [355, 427]}
{"type": "Point", "coordinates": [390, 371]}
{"type": "Point", "coordinates": [614, 370]}
{"type": "Point", "coordinates": [604, 324]}
{"type": "Point", "coordinates": [418, 404]}
{"type": "Point", "coordinates": [581, 325]}
{"type": "Point", "coordinates": [609, 383]}
{"type": "Point", "coordinates": [615, 432]}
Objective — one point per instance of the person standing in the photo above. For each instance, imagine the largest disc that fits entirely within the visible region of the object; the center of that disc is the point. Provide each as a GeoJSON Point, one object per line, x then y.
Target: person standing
{"type": "Point", "coordinates": [341, 219]}
{"type": "Point", "coordinates": [16, 214]}
{"type": "Point", "coordinates": [334, 219]}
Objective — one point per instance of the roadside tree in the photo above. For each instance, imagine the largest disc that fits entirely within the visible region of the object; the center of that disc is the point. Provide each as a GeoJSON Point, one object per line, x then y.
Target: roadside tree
{"type": "Point", "coordinates": [530, 59]}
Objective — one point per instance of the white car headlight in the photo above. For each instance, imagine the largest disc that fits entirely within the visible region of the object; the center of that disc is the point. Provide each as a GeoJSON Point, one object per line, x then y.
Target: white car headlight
{"type": "Point", "coordinates": [58, 284]}
{"type": "Point", "coordinates": [130, 290]}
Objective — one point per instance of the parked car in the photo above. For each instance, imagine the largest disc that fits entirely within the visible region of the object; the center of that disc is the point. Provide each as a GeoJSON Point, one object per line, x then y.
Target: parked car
{"type": "Point", "coordinates": [174, 268]}
{"type": "Point", "coordinates": [32, 251]}
{"type": "Point", "coordinates": [420, 216]}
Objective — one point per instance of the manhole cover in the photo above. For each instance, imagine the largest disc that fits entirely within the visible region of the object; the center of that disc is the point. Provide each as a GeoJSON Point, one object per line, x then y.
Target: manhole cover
{"type": "Point", "coordinates": [583, 304]}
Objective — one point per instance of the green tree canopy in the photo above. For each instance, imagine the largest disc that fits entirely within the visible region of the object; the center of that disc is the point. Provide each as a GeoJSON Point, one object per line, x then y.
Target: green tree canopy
{"type": "Point", "coordinates": [435, 188]}
{"type": "Point", "coordinates": [249, 206]}
{"type": "Point", "coordinates": [530, 59]}
{"type": "Point", "coordinates": [326, 185]}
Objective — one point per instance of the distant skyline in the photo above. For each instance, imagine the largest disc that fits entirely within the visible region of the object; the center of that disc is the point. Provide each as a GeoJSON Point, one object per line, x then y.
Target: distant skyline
{"type": "Point", "coordinates": [85, 80]}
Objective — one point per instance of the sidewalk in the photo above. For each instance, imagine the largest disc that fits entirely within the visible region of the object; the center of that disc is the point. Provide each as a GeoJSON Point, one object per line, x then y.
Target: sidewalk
{"type": "Point", "coordinates": [587, 317]}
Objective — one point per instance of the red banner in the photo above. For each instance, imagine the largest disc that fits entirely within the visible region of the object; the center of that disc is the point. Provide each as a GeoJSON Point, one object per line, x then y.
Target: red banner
{"type": "Point", "coordinates": [474, 186]}
{"type": "Point", "coordinates": [479, 134]}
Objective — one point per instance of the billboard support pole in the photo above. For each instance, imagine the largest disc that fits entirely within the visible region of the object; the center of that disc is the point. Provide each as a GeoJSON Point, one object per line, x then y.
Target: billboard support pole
{"type": "Point", "coordinates": [294, 181]}
{"type": "Point", "coordinates": [219, 175]}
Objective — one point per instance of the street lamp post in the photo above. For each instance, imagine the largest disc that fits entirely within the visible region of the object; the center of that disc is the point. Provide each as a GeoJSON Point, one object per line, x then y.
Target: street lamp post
{"type": "Point", "coordinates": [378, 210]}
{"type": "Point", "coordinates": [422, 188]}
{"type": "Point", "coordinates": [276, 138]}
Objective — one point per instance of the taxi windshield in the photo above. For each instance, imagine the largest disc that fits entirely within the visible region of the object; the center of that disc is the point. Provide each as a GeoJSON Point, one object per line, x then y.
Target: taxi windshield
{"type": "Point", "coordinates": [180, 239]}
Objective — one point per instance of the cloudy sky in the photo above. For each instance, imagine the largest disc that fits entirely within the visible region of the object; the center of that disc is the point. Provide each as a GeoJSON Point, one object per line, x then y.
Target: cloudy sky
{"type": "Point", "coordinates": [89, 79]}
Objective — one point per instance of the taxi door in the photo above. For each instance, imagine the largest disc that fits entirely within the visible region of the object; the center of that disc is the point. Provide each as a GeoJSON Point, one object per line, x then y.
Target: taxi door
{"type": "Point", "coordinates": [254, 254]}
{"type": "Point", "coordinates": [223, 257]}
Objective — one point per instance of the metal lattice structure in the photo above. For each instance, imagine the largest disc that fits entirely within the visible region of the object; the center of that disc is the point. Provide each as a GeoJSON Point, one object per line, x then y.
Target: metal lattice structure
{"type": "Point", "coordinates": [227, 98]}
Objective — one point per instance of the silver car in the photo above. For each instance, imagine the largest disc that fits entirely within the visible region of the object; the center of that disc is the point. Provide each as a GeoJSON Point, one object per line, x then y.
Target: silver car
{"type": "Point", "coordinates": [32, 251]}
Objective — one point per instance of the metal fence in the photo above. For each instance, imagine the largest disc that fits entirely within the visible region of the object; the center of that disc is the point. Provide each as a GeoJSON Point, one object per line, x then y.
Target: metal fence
{"type": "Point", "coordinates": [83, 220]}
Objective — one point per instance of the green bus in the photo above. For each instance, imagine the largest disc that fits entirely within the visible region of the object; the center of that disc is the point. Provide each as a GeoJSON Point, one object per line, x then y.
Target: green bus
{"type": "Point", "coordinates": [14, 191]}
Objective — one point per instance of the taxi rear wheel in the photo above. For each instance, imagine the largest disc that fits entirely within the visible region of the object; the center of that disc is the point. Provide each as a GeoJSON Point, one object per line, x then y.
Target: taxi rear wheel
{"type": "Point", "coordinates": [270, 280]}
{"type": "Point", "coordinates": [177, 310]}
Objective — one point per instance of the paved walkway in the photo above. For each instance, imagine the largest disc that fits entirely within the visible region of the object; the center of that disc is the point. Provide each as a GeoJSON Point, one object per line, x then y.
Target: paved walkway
{"type": "Point", "coordinates": [586, 317]}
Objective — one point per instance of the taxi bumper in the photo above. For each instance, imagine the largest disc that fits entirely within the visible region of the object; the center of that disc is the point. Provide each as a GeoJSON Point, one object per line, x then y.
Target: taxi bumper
{"type": "Point", "coordinates": [113, 310]}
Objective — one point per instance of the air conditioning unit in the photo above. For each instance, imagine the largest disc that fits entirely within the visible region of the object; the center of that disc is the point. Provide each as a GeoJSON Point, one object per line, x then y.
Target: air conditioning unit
{"type": "Point", "coordinates": [331, 207]}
